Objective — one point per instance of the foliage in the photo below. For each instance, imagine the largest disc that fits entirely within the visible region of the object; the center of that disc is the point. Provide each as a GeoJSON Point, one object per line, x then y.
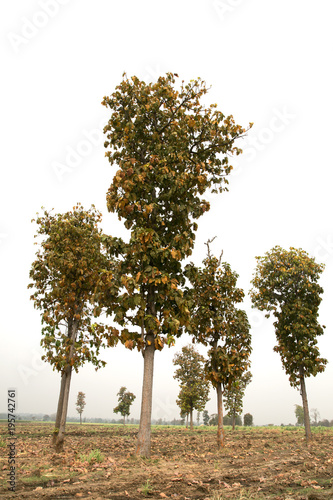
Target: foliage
{"type": "Point", "coordinates": [299, 412]}
{"type": "Point", "coordinates": [194, 389]}
{"type": "Point", "coordinates": [205, 417]}
{"type": "Point", "coordinates": [233, 396]}
{"type": "Point", "coordinates": [248, 419]}
{"type": "Point", "coordinates": [125, 400]}
{"type": "Point", "coordinates": [80, 403]}
{"type": "Point", "coordinates": [71, 260]}
{"type": "Point", "coordinates": [228, 419]}
{"type": "Point", "coordinates": [216, 320]}
{"type": "Point", "coordinates": [93, 456]}
{"type": "Point", "coordinates": [167, 147]}
{"type": "Point", "coordinates": [285, 284]}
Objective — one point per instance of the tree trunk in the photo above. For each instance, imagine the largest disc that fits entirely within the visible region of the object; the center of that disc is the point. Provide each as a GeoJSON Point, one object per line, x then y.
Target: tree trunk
{"type": "Point", "coordinates": [59, 445]}
{"type": "Point", "coordinates": [64, 392]}
{"type": "Point", "coordinates": [233, 421]}
{"type": "Point", "coordinates": [305, 406]}
{"type": "Point", "coordinates": [80, 418]}
{"type": "Point", "coordinates": [191, 419]}
{"type": "Point", "coordinates": [186, 420]}
{"type": "Point", "coordinates": [59, 409]}
{"type": "Point", "coordinates": [220, 429]}
{"type": "Point", "coordinates": [143, 444]}
{"type": "Point", "coordinates": [124, 422]}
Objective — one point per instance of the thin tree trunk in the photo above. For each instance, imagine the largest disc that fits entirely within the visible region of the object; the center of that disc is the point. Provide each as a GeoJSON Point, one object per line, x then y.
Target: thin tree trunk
{"type": "Point", "coordinates": [233, 422]}
{"type": "Point", "coordinates": [80, 418]}
{"type": "Point", "coordinates": [144, 435]}
{"type": "Point", "coordinates": [220, 429]}
{"type": "Point", "coordinates": [191, 420]}
{"type": "Point", "coordinates": [305, 406]}
{"type": "Point", "coordinates": [186, 420]}
{"type": "Point", "coordinates": [59, 409]}
{"type": "Point", "coordinates": [59, 441]}
{"type": "Point", "coordinates": [59, 445]}
{"type": "Point", "coordinates": [124, 420]}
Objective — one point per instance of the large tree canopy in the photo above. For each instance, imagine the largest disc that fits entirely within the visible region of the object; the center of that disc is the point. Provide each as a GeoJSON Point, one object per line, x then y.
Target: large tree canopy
{"type": "Point", "coordinates": [169, 149]}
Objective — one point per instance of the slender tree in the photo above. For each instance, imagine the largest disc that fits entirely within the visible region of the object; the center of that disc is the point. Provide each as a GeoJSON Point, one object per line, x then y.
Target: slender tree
{"type": "Point", "coordinates": [299, 413]}
{"type": "Point", "coordinates": [71, 262]}
{"type": "Point", "coordinates": [205, 417]}
{"type": "Point", "coordinates": [125, 400]}
{"type": "Point", "coordinates": [194, 389]}
{"type": "Point", "coordinates": [217, 322]}
{"type": "Point", "coordinates": [170, 150]}
{"type": "Point", "coordinates": [286, 285]}
{"type": "Point", "coordinates": [80, 404]}
{"type": "Point", "coordinates": [233, 397]}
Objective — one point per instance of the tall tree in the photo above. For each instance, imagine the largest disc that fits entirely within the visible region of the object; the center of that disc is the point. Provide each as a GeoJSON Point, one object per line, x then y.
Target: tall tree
{"type": "Point", "coordinates": [217, 322]}
{"type": "Point", "coordinates": [286, 285]}
{"type": "Point", "coordinates": [170, 150]}
{"type": "Point", "coordinates": [125, 400]}
{"type": "Point", "coordinates": [234, 395]}
{"type": "Point", "coordinates": [80, 404]}
{"type": "Point", "coordinates": [194, 389]}
{"type": "Point", "coordinates": [71, 262]}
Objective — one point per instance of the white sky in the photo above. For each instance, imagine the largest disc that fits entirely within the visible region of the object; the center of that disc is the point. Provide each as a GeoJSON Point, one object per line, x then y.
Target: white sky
{"type": "Point", "coordinates": [268, 63]}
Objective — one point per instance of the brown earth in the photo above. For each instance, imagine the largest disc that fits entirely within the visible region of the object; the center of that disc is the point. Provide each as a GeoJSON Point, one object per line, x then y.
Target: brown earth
{"type": "Point", "coordinates": [256, 463]}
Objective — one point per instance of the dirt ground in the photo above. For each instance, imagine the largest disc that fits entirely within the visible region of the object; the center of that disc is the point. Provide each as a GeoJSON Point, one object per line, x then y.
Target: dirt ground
{"type": "Point", "coordinates": [256, 463]}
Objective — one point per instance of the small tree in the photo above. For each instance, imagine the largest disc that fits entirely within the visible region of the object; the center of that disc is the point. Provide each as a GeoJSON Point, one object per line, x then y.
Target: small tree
{"type": "Point", "coordinates": [217, 322]}
{"type": "Point", "coordinates": [205, 417]}
{"type": "Point", "coordinates": [285, 284]}
{"type": "Point", "coordinates": [315, 416]}
{"type": "Point", "coordinates": [233, 397]}
{"type": "Point", "coordinates": [299, 412]}
{"type": "Point", "coordinates": [170, 150]}
{"type": "Point", "coordinates": [248, 419]}
{"type": "Point", "coordinates": [71, 263]}
{"type": "Point", "coordinates": [80, 404]}
{"type": "Point", "coordinates": [194, 389]}
{"type": "Point", "coordinates": [125, 400]}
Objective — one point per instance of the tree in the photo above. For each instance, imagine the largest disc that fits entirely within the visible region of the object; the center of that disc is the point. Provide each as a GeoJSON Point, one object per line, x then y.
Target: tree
{"type": "Point", "coordinates": [169, 150]}
{"type": "Point", "coordinates": [80, 404]}
{"type": "Point", "coordinates": [233, 397]}
{"type": "Point", "coordinates": [315, 415]}
{"type": "Point", "coordinates": [217, 322]}
{"type": "Point", "coordinates": [299, 412]}
{"type": "Point", "coordinates": [285, 284]}
{"type": "Point", "coordinates": [248, 419]}
{"type": "Point", "coordinates": [205, 417]}
{"type": "Point", "coordinates": [125, 400]}
{"type": "Point", "coordinates": [194, 389]}
{"type": "Point", "coordinates": [71, 264]}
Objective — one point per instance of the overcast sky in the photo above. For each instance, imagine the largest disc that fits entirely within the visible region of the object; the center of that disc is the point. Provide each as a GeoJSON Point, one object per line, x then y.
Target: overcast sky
{"type": "Point", "coordinates": [267, 62]}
